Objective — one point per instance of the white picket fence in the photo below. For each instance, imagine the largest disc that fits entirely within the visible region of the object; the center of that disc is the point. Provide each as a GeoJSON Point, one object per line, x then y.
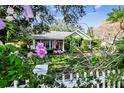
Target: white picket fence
{"type": "Point", "coordinates": [69, 80]}
{"type": "Point", "coordinates": [99, 75]}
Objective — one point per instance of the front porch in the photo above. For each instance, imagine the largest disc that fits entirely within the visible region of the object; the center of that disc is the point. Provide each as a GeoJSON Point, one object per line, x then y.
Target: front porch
{"type": "Point", "coordinates": [51, 44]}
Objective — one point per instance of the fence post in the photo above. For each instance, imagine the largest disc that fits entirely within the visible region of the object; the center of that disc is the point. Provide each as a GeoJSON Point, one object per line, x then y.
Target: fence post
{"type": "Point", "coordinates": [109, 82]}
{"type": "Point", "coordinates": [97, 75]}
{"type": "Point", "coordinates": [118, 83]}
{"type": "Point", "coordinates": [103, 81]}
{"type": "Point", "coordinates": [114, 82]}
{"type": "Point", "coordinates": [15, 83]}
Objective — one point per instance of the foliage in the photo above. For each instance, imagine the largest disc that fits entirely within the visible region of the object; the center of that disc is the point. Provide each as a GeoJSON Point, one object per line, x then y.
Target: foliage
{"type": "Point", "coordinates": [60, 25]}
{"type": "Point", "coordinates": [46, 14]}
{"type": "Point", "coordinates": [7, 32]}
{"type": "Point", "coordinates": [15, 65]}
{"type": "Point", "coordinates": [50, 51]}
{"type": "Point", "coordinates": [22, 44]}
{"type": "Point", "coordinates": [85, 45]}
{"type": "Point", "coordinates": [72, 42]}
{"type": "Point", "coordinates": [96, 43]}
{"type": "Point", "coordinates": [71, 13]}
{"type": "Point", "coordinates": [116, 15]}
{"type": "Point", "coordinates": [11, 65]}
{"type": "Point", "coordinates": [120, 45]}
{"type": "Point", "coordinates": [120, 50]}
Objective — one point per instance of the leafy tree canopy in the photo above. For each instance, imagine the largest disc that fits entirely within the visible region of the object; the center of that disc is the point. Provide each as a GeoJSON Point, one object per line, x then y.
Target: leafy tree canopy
{"type": "Point", "coordinates": [116, 15]}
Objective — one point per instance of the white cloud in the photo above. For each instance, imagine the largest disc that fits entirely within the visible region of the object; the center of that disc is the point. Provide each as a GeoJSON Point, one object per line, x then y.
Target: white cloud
{"type": "Point", "coordinates": [92, 13]}
{"type": "Point", "coordinates": [98, 6]}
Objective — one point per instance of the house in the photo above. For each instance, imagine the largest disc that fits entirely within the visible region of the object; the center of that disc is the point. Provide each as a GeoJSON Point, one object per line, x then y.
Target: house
{"type": "Point", "coordinates": [55, 39]}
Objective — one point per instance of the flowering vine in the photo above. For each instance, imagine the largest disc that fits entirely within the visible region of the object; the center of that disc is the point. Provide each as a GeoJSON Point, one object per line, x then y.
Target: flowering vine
{"type": "Point", "coordinates": [2, 24]}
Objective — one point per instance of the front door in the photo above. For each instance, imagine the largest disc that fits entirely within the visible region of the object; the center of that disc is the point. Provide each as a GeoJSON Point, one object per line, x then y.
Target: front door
{"type": "Point", "coordinates": [59, 44]}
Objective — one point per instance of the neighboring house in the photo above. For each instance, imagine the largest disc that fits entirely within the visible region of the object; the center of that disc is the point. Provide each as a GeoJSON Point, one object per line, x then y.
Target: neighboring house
{"type": "Point", "coordinates": [55, 39]}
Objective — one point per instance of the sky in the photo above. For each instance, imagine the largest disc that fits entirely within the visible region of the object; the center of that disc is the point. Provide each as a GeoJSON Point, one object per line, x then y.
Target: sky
{"type": "Point", "coordinates": [95, 14]}
{"type": "Point", "coordinates": [95, 18]}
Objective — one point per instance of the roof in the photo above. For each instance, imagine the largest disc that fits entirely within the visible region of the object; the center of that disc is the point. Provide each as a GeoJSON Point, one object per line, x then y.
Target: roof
{"type": "Point", "coordinates": [58, 35]}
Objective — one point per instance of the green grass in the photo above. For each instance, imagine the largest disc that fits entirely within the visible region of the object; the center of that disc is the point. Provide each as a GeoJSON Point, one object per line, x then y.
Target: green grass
{"type": "Point", "coordinates": [64, 63]}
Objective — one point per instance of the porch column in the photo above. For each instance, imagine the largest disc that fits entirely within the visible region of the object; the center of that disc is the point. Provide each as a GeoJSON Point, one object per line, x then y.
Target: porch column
{"type": "Point", "coordinates": [63, 47]}
{"type": "Point", "coordinates": [49, 44]}
{"type": "Point", "coordinates": [33, 43]}
{"type": "Point", "coordinates": [54, 44]}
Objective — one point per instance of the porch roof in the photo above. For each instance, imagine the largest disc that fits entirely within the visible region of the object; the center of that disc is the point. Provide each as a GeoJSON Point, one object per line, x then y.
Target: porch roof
{"type": "Point", "coordinates": [55, 35]}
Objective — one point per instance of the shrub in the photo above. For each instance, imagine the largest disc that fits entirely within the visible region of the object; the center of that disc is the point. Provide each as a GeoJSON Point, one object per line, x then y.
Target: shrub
{"type": "Point", "coordinates": [120, 45]}
{"type": "Point", "coordinates": [11, 65]}
{"type": "Point", "coordinates": [50, 51]}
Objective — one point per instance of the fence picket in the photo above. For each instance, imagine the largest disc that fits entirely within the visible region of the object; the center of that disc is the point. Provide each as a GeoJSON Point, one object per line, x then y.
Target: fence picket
{"type": "Point", "coordinates": [63, 78]}
{"type": "Point", "coordinates": [114, 82]}
{"type": "Point", "coordinates": [71, 76]}
{"type": "Point", "coordinates": [85, 76]}
{"type": "Point", "coordinates": [27, 81]}
{"type": "Point", "coordinates": [97, 75]}
{"type": "Point", "coordinates": [77, 76]}
{"type": "Point", "coordinates": [109, 82]}
{"type": "Point", "coordinates": [91, 74]}
{"type": "Point", "coordinates": [103, 81]}
{"type": "Point", "coordinates": [118, 83]}
{"type": "Point", "coordinates": [15, 83]}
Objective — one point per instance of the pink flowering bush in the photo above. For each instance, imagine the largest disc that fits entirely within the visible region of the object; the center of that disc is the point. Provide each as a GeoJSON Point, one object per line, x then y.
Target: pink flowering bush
{"type": "Point", "coordinates": [40, 51]}
{"type": "Point", "coordinates": [58, 52]}
{"type": "Point", "coordinates": [30, 54]}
